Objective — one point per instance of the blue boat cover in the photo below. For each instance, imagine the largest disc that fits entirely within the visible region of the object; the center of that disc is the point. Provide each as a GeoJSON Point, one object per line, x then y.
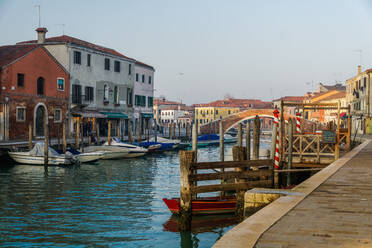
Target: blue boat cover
{"type": "Point", "coordinates": [208, 137]}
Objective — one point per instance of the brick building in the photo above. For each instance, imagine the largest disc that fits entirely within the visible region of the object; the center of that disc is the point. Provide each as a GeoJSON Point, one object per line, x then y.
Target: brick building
{"type": "Point", "coordinates": [33, 86]}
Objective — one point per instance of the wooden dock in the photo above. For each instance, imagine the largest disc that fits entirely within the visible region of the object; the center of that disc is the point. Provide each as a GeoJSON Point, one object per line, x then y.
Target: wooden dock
{"type": "Point", "coordinates": [333, 209]}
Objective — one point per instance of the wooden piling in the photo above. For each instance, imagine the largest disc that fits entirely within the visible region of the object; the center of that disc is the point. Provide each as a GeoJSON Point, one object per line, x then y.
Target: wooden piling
{"type": "Point", "coordinates": [98, 133]}
{"type": "Point", "coordinates": [148, 130]}
{"type": "Point", "coordinates": [46, 140]}
{"type": "Point", "coordinates": [64, 143]}
{"type": "Point", "coordinates": [155, 131]}
{"type": "Point", "coordinates": [130, 131]}
{"type": "Point", "coordinates": [30, 135]}
{"type": "Point", "coordinates": [240, 134]}
{"type": "Point", "coordinates": [186, 159]}
{"type": "Point", "coordinates": [256, 138]}
{"type": "Point", "coordinates": [170, 130]}
{"type": "Point", "coordinates": [238, 155]}
{"type": "Point", "coordinates": [248, 141]}
{"type": "Point", "coordinates": [273, 141]}
{"type": "Point", "coordinates": [109, 132]}
{"type": "Point", "coordinates": [82, 137]}
{"type": "Point", "coordinates": [77, 132]}
{"type": "Point", "coordinates": [139, 135]}
{"type": "Point", "coordinates": [179, 130]}
{"type": "Point", "coordinates": [222, 145]}
{"type": "Point", "coordinates": [195, 140]}
{"type": "Point", "coordinates": [348, 137]}
{"type": "Point", "coordinates": [174, 130]}
{"type": "Point", "coordinates": [337, 147]}
{"type": "Point", "coordinates": [58, 138]}
{"type": "Point", "coordinates": [118, 131]}
{"type": "Point", "coordinates": [290, 148]}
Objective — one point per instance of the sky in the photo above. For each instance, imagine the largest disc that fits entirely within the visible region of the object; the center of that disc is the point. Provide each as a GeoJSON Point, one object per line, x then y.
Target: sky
{"type": "Point", "coordinates": [203, 50]}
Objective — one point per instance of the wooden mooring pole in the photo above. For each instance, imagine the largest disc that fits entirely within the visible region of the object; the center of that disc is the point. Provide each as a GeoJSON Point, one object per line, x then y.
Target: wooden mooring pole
{"type": "Point", "coordinates": [155, 131]}
{"type": "Point", "coordinates": [186, 159]}
{"type": "Point", "coordinates": [348, 137]}
{"type": "Point", "coordinates": [98, 133]}
{"type": "Point", "coordinates": [130, 131]}
{"type": "Point", "coordinates": [256, 138]}
{"type": "Point", "coordinates": [46, 140]}
{"type": "Point", "coordinates": [290, 148]}
{"type": "Point", "coordinates": [248, 141]}
{"type": "Point", "coordinates": [139, 134]}
{"type": "Point", "coordinates": [238, 155]}
{"type": "Point", "coordinates": [30, 135]}
{"type": "Point", "coordinates": [109, 132]}
{"type": "Point", "coordinates": [337, 147]}
{"type": "Point", "coordinates": [64, 143]}
{"type": "Point", "coordinates": [222, 145]}
{"type": "Point", "coordinates": [195, 140]}
{"type": "Point", "coordinates": [77, 132]}
{"type": "Point", "coordinates": [240, 134]}
{"type": "Point", "coordinates": [82, 137]}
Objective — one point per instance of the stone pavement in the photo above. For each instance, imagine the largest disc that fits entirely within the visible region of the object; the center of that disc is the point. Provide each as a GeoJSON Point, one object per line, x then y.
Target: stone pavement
{"type": "Point", "coordinates": [336, 214]}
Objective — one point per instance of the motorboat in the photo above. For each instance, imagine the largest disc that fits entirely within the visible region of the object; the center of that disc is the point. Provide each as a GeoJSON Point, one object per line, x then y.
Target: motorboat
{"type": "Point", "coordinates": [227, 138]}
{"type": "Point", "coordinates": [150, 146]}
{"type": "Point", "coordinates": [108, 152]}
{"type": "Point", "coordinates": [134, 151]}
{"type": "Point", "coordinates": [85, 157]}
{"type": "Point", "coordinates": [205, 205]}
{"type": "Point", "coordinates": [36, 156]}
{"type": "Point", "coordinates": [169, 144]}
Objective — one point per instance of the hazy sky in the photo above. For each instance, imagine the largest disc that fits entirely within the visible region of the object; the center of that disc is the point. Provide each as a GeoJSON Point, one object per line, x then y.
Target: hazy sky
{"type": "Point", "coordinates": [203, 50]}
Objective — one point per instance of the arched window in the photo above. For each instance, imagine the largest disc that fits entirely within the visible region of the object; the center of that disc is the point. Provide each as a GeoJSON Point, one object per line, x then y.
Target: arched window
{"type": "Point", "coordinates": [116, 95]}
{"type": "Point", "coordinates": [105, 93]}
{"type": "Point", "coordinates": [40, 86]}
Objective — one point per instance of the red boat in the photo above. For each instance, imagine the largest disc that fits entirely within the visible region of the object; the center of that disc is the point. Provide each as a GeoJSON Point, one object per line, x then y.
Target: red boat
{"type": "Point", "coordinates": [205, 205]}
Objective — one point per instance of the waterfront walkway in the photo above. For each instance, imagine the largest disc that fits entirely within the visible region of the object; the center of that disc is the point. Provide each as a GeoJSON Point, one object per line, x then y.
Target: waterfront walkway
{"type": "Point", "coordinates": [335, 210]}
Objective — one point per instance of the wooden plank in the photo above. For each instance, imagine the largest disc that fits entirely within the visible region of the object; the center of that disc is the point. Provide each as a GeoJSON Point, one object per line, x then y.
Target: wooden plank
{"type": "Point", "coordinates": [230, 164]}
{"type": "Point", "coordinates": [306, 165]}
{"type": "Point", "coordinates": [231, 186]}
{"type": "Point", "coordinates": [231, 175]}
{"type": "Point", "coordinates": [298, 170]}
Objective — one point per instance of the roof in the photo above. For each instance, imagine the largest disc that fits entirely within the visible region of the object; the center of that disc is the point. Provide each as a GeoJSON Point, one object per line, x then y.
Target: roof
{"type": "Point", "coordinates": [76, 41]}
{"type": "Point", "coordinates": [144, 65]}
{"type": "Point", "coordinates": [10, 53]}
{"type": "Point", "coordinates": [235, 103]}
{"type": "Point", "coordinates": [158, 101]}
{"type": "Point", "coordinates": [333, 87]}
{"type": "Point", "coordinates": [336, 95]}
{"type": "Point", "coordinates": [291, 99]}
{"type": "Point", "coordinates": [182, 108]}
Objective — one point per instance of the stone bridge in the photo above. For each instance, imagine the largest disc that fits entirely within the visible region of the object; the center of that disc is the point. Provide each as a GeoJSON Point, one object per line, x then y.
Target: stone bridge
{"type": "Point", "coordinates": [234, 119]}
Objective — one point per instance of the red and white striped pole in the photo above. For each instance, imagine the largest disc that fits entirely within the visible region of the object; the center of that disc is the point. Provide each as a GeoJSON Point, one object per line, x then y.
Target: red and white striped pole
{"type": "Point", "coordinates": [276, 121]}
{"type": "Point", "coordinates": [298, 123]}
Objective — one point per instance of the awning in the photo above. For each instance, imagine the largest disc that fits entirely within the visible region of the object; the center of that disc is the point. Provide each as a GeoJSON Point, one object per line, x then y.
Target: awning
{"type": "Point", "coordinates": [147, 115]}
{"type": "Point", "coordinates": [88, 114]}
{"type": "Point", "coordinates": [115, 115]}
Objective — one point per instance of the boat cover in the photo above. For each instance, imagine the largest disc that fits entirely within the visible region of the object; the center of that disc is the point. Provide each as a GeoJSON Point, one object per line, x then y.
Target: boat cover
{"type": "Point", "coordinates": [208, 137]}
{"type": "Point", "coordinates": [38, 150]}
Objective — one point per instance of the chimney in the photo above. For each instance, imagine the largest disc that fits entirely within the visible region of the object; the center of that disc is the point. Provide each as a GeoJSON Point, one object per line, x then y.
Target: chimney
{"type": "Point", "coordinates": [41, 35]}
{"type": "Point", "coordinates": [359, 69]}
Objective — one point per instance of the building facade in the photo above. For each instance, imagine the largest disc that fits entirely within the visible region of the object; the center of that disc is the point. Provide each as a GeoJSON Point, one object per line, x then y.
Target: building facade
{"type": "Point", "coordinates": [143, 95]}
{"type": "Point", "coordinates": [358, 93]}
{"type": "Point", "coordinates": [35, 88]}
{"type": "Point", "coordinates": [101, 81]}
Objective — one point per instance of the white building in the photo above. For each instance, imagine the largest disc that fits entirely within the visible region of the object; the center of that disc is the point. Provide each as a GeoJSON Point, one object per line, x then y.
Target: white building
{"type": "Point", "coordinates": [143, 95]}
{"type": "Point", "coordinates": [171, 114]}
{"type": "Point", "coordinates": [101, 81]}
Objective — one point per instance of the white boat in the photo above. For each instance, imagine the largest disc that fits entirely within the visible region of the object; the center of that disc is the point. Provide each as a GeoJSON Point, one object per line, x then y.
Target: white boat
{"type": "Point", "coordinates": [134, 151]}
{"type": "Point", "coordinates": [175, 142]}
{"type": "Point", "coordinates": [227, 138]}
{"type": "Point", "coordinates": [108, 152]}
{"type": "Point", "coordinates": [89, 156]}
{"type": "Point", "coordinates": [36, 156]}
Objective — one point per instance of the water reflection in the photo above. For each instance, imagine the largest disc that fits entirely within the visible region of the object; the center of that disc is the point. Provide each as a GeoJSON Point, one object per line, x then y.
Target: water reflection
{"type": "Point", "coordinates": [107, 204]}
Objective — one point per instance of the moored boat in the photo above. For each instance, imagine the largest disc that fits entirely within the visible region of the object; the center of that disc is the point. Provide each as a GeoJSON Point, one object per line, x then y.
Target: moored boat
{"type": "Point", "coordinates": [133, 151]}
{"type": "Point", "coordinates": [109, 152]}
{"type": "Point", "coordinates": [205, 205]}
{"type": "Point", "coordinates": [89, 156]}
{"type": "Point", "coordinates": [36, 156]}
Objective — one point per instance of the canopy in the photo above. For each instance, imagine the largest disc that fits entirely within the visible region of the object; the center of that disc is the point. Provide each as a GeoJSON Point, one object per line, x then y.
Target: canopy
{"type": "Point", "coordinates": [147, 115]}
{"type": "Point", "coordinates": [115, 115]}
{"type": "Point", "coordinates": [88, 114]}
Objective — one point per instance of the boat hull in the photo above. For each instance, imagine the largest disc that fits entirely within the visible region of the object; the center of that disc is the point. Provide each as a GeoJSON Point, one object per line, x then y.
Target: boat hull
{"type": "Point", "coordinates": [89, 157]}
{"type": "Point", "coordinates": [207, 205]}
{"type": "Point", "coordinates": [26, 158]}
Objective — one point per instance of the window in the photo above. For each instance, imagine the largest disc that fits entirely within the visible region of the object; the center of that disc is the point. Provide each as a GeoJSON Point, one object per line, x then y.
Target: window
{"type": "Point", "coordinates": [57, 115]}
{"type": "Point", "coordinates": [140, 100]}
{"type": "Point", "coordinates": [150, 101]}
{"type": "Point", "coordinates": [40, 86]}
{"type": "Point", "coordinates": [89, 95]}
{"type": "Point", "coordinates": [88, 59]}
{"type": "Point", "coordinates": [216, 111]}
{"type": "Point", "coordinates": [229, 111]}
{"type": "Point", "coordinates": [61, 84]}
{"type": "Point", "coordinates": [130, 69]}
{"type": "Point", "coordinates": [21, 114]}
{"type": "Point", "coordinates": [20, 80]}
{"type": "Point", "coordinates": [77, 57]}
{"type": "Point", "coordinates": [149, 79]}
{"type": "Point", "coordinates": [129, 97]}
{"type": "Point", "coordinates": [105, 93]}
{"type": "Point", "coordinates": [201, 121]}
{"type": "Point", "coordinates": [136, 77]}
{"type": "Point", "coordinates": [143, 78]}
{"type": "Point", "coordinates": [117, 66]}
{"type": "Point", "coordinates": [116, 95]}
{"type": "Point", "coordinates": [76, 94]}
{"type": "Point", "coordinates": [107, 64]}
{"type": "Point", "coordinates": [365, 82]}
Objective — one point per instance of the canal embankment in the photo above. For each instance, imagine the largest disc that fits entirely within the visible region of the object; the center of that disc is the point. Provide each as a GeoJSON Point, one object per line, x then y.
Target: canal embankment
{"type": "Point", "coordinates": [330, 209]}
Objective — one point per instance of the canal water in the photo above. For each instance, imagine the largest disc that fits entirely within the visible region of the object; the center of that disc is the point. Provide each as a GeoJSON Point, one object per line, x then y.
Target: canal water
{"type": "Point", "coordinates": [113, 203]}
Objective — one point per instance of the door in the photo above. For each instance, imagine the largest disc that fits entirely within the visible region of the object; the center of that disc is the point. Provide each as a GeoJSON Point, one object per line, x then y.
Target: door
{"type": "Point", "coordinates": [39, 121]}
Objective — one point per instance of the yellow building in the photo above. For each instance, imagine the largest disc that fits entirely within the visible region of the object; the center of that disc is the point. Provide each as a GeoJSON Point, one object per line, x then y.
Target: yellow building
{"type": "Point", "coordinates": [204, 115]}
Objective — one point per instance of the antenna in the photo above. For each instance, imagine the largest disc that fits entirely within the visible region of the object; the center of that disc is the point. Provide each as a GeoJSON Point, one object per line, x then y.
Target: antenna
{"type": "Point", "coordinates": [38, 13]}
{"type": "Point", "coordinates": [63, 28]}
